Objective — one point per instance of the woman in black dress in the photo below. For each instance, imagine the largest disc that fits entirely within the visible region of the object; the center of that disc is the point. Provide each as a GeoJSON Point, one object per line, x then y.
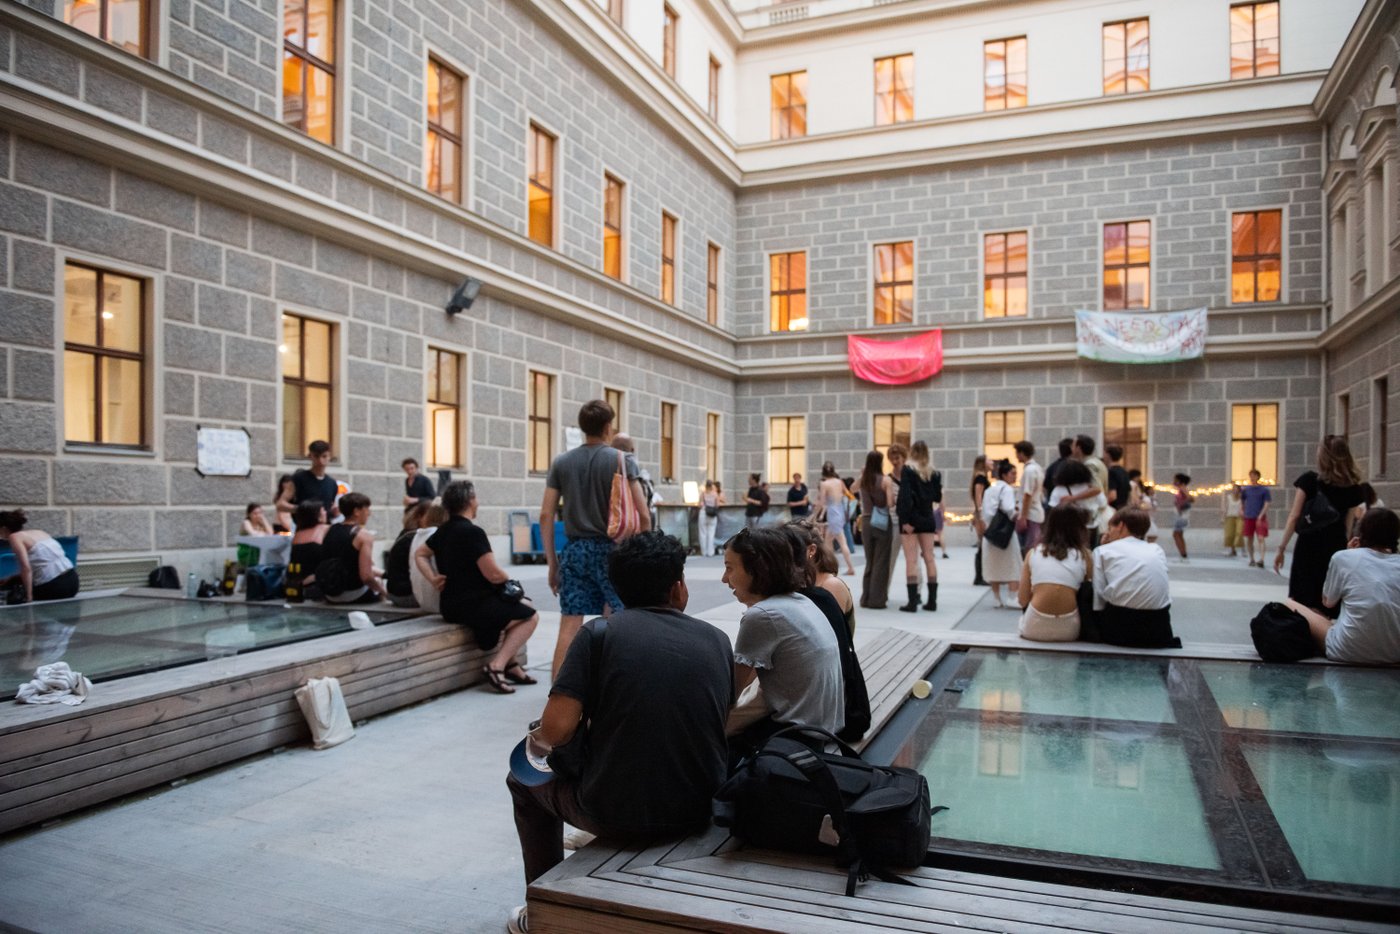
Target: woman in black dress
{"type": "Point", "coordinates": [920, 492]}
{"type": "Point", "coordinates": [470, 582]}
{"type": "Point", "coordinates": [1337, 479]}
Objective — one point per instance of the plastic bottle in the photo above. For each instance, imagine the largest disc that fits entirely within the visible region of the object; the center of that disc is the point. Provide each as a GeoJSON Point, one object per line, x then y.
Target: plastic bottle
{"type": "Point", "coordinates": [192, 587]}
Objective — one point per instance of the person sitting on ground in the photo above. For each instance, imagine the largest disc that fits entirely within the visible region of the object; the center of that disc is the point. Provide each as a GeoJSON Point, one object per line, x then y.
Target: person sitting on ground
{"type": "Point", "coordinates": [424, 593]}
{"type": "Point", "coordinates": [347, 573]}
{"type": "Point", "coordinates": [44, 570]}
{"type": "Point", "coordinates": [397, 580]}
{"type": "Point", "coordinates": [656, 711]}
{"type": "Point", "coordinates": [254, 522]}
{"type": "Point", "coordinates": [307, 548]}
{"type": "Point", "coordinates": [470, 580]}
{"type": "Point", "coordinates": [1051, 576]}
{"type": "Point", "coordinates": [1363, 582]}
{"type": "Point", "coordinates": [1132, 595]}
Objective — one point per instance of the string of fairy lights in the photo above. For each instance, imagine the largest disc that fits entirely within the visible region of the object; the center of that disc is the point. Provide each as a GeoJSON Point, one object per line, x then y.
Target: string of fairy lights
{"type": "Point", "coordinates": [962, 518]}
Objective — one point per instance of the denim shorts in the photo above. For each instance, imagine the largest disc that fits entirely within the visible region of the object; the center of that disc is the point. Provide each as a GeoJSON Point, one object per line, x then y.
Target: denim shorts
{"type": "Point", "coordinates": [583, 578]}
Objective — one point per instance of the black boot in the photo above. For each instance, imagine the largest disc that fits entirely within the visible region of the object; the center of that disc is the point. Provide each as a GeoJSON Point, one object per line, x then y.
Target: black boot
{"type": "Point", "coordinates": [977, 580]}
{"type": "Point", "coordinates": [932, 603]}
{"type": "Point", "coordinates": [913, 603]}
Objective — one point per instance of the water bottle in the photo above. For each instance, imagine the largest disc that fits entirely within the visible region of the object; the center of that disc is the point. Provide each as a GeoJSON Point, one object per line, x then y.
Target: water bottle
{"type": "Point", "coordinates": [192, 587]}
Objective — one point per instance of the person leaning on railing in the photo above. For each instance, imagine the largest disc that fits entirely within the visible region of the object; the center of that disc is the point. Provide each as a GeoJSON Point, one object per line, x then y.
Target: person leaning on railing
{"type": "Point", "coordinates": [44, 570]}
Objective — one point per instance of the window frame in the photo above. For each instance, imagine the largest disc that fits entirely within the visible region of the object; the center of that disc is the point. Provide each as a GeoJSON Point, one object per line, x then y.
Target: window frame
{"type": "Point", "coordinates": [982, 430]}
{"type": "Point", "coordinates": [983, 274]}
{"type": "Point", "coordinates": [550, 420]}
{"type": "Point", "coordinates": [609, 177]}
{"type": "Point", "coordinates": [1282, 257]}
{"type": "Point", "coordinates": [1254, 39]}
{"type": "Point", "coordinates": [670, 39]}
{"type": "Point", "coordinates": [337, 78]}
{"type": "Point", "coordinates": [712, 89]}
{"type": "Point", "coordinates": [616, 11]}
{"type": "Point", "coordinates": [464, 115]}
{"type": "Point", "coordinates": [149, 357]}
{"type": "Point", "coordinates": [713, 433]}
{"type": "Point", "coordinates": [875, 444]}
{"type": "Point", "coordinates": [668, 445]}
{"type": "Point", "coordinates": [780, 119]}
{"type": "Point", "coordinates": [1278, 440]}
{"type": "Point", "coordinates": [1342, 415]}
{"type": "Point", "coordinates": [714, 279]}
{"type": "Point", "coordinates": [146, 41]}
{"type": "Point", "coordinates": [1151, 221]}
{"type": "Point", "coordinates": [533, 126]}
{"type": "Point", "coordinates": [1006, 84]}
{"type": "Point", "coordinates": [462, 406]}
{"type": "Point", "coordinates": [1380, 426]}
{"type": "Point", "coordinates": [671, 259]}
{"type": "Point", "coordinates": [786, 477]}
{"type": "Point", "coordinates": [893, 285]}
{"type": "Point", "coordinates": [336, 415]}
{"type": "Point", "coordinates": [1127, 56]}
{"type": "Point", "coordinates": [619, 408]}
{"type": "Point", "coordinates": [1146, 467]}
{"type": "Point", "coordinates": [895, 88]}
{"type": "Point", "coordinates": [772, 293]}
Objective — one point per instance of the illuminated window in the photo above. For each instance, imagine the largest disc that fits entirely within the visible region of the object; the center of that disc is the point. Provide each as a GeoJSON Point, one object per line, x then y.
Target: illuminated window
{"type": "Point", "coordinates": [1000, 430]}
{"type": "Point", "coordinates": [541, 417]}
{"type": "Point", "coordinates": [1004, 74]}
{"type": "Point", "coordinates": [308, 383]}
{"type": "Point", "coordinates": [789, 105]}
{"type": "Point", "coordinates": [894, 283]}
{"type": "Point", "coordinates": [120, 22]}
{"type": "Point", "coordinates": [1253, 40]}
{"type": "Point", "coordinates": [1127, 265]}
{"type": "Point", "coordinates": [1125, 57]}
{"type": "Point", "coordinates": [104, 357]}
{"type": "Point", "coordinates": [612, 226]}
{"type": "Point", "coordinates": [541, 194]}
{"type": "Point", "coordinates": [999, 735]}
{"type": "Point", "coordinates": [712, 285]}
{"type": "Point", "coordinates": [894, 89]}
{"type": "Point", "coordinates": [444, 408]}
{"type": "Point", "coordinates": [668, 40]}
{"type": "Point", "coordinates": [1117, 763]}
{"type": "Point", "coordinates": [1126, 426]}
{"type": "Point", "coordinates": [614, 398]}
{"type": "Point", "coordinates": [711, 445]}
{"type": "Point", "coordinates": [787, 446]}
{"type": "Point", "coordinates": [1256, 259]}
{"type": "Point", "coordinates": [615, 11]}
{"type": "Point", "coordinates": [787, 291]}
{"type": "Point", "coordinates": [445, 88]}
{"type": "Point", "coordinates": [712, 107]}
{"type": "Point", "coordinates": [668, 442]}
{"type": "Point", "coordinates": [1254, 441]}
{"type": "Point", "coordinates": [308, 67]}
{"type": "Point", "coordinates": [1004, 259]}
{"type": "Point", "coordinates": [668, 259]}
{"type": "Point", "coordinates": [891, 429]}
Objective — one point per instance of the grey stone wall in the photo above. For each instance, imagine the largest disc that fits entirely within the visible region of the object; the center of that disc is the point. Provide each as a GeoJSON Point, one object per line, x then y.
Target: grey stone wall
{"type": "Point", "coordinates": [232, 48]}
{"type": "Point", "coordinates": [1353, 368]}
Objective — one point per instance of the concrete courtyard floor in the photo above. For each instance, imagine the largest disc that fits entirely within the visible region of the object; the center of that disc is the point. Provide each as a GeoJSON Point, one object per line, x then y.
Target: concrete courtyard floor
{"type": "Point", "coordinates": [408, 826]}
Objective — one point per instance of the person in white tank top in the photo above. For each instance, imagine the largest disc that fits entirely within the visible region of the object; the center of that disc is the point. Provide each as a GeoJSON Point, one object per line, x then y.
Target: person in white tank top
{"type": "Point", "coordinates": [1051, 576]}
{"type": "Point", "coordinates": [44, 569]}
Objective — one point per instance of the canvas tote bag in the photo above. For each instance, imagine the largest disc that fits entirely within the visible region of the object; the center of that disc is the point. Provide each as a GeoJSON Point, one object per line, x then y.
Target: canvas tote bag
{"type": "Point", "coordinates": [624, 514]}
{"type": "Point", "coordinates": [324, 708]}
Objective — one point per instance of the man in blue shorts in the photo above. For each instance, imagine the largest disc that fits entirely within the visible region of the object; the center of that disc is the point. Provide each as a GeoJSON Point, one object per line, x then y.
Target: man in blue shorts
{"type": "Point", "coordinates": [583, 479]}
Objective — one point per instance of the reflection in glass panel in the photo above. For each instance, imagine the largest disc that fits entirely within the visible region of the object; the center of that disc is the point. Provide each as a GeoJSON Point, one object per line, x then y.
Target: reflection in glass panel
{"type": "Point", "coordinates": [293, 91]}
{"type": "Point", "coordinates": [320, 29]}
{"type": "Point", "coordinates": [292, 425]}
{"type": "Point", "coordinates": [291, 346]}
{"type": "Point", "coordinates": [126, 25]}
{"type": "Point", "coordinates": [121, 401]}
{"type": "Point", "coordinates": [122, 313]}
{"type": "Point", "coordinates": [444, 439]}
{"type": "Point", "coordinates": [316, 354]}
{"type": "Point", "coordinates": [320, 105]}
{"type": "Point", "coordinates": [318, 413]}
{"type": "Point", "coordinates": [85, 15]}
{"type": "Point", "coordinates": [80, 305]}
{"type": "Point", "coordinates": [79, 397]}
{"type": "Point", "coordinates": [294, 21]}
{"type": "Point", "coordinates": [450, 101]}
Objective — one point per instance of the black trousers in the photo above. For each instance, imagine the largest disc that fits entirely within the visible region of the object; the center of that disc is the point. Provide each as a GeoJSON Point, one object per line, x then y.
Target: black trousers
{"type": "Point", "coordinates": [61, 587]}
{"type": "Point", "coordinates": [1144, 629]}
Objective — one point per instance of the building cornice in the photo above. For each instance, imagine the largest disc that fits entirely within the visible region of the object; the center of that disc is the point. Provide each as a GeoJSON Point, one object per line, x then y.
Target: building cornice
{"type": "Point", "coordinates": [867, 17]}
{"type": "Point", "coordinates": [1380, 304]}
{"type": "Point", "coordinates": [1366, 33]}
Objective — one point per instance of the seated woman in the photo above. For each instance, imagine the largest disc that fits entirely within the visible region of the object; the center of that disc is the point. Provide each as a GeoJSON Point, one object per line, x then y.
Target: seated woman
{"type": "Point", "coordinates": [784, 642]}
{"type": "Point", "coordinates": [1051, 576]}
{"type": "Point", "coordinates": [470, 580]}
{"type": "Point", "coordinates": [347, 573]}
{"type": "Point", "coordinates": [1363, 580]}
{"type": "Point", "coordinates": [254, 522]}
{"type": "Point", "coordinates": [44, 569]}
{"type": "Point", "coordinates": [424, 593]}
{"type": "Point", "coordinates": [397, 579]}
{"type": "Point", "coordinates": [823, 570]}
{"type": "Point", "coordinates": [286, 515]}
{"type": "Point", "coordinates": [309, 519]}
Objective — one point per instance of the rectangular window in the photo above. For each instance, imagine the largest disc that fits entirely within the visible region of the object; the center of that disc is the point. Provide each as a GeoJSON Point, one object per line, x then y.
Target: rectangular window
{"type": "Point", "coordinates": [668, 258]}
{"type": "Point", "coordinates": [668, 442]}
{"type": "Point", "coordinates": [787, 291]}
{"type": "Point", "coordinates": [308, 383]}
{"type": "Point", "coordinates": [787, 446]}
{"type": "Point", "coordinates": [541, 171]}
{"type": "Point", "coordinates": [104, 357]}
{"type": "Point", "coordinates": [614, 398]}
{"type": "Point", "coordinates": [712, 285]}
{"type": "Point", "coordinates": [712, 446]}
{"type": "Point", "coordinates": [668, 40]}
{"type": "Point", "coordinates": [894, 283]}
{"type": "Point", "coordinates": [1004, 264]}
{"type": "Point", "coordinates": [123, 23]}
{"type": "Point", "coordinates": [1380, 404]}
{"type": "Point", "coordinates": [1344, 415]}
{"type": "Point", "coordinates": [615, 11]}
{"type": "Point", "coordinates": [1125, 57]}
{"type": "Point", "coordinates": [894, 89]}
{"type": "Point", "coordinates": [1004, 74]}
{"type": "Point", "coordinates": [891, 429]}
{"type": "Point", "coordinates": [789, 105]}
{"type": "Point", "coordinates": [308, 67]}
{"type": "Point", "coordinates": [445, 97]}
{"type": "Point", "coordinates": [1254, 441]}
{"type": "Point", "coordinates": [1000, 430]}
{"type": "Point", "coordinates": [1253, 40]}
{"type": "Point", "coordinates": [712, 107]}
{"type": "Point", "coordinates": [444, 408]}
{"type": "Point", "coordinates": [541, 418]}
{"type": "Point", "coordinates": [1256, 256]}
{"type": "Point", "coordinates": [1127, 265]}
{"type": "Point", "coordinates": [1126, 426]}
{"type": "Point", "coordinates": [612, 227]}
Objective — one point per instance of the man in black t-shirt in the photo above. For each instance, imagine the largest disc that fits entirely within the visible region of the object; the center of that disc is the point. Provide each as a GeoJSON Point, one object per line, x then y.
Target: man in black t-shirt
{"type": "Point", "coordinates": [755, 501]}
{"type": "Point", "coordinates": [416, 487]}
{"type": "Point", "coordinates": [798, 499]}
{"type": "Point", "coordinates": [1066, 453]}
{"type": "Point", "coordinates": [1120, 488]}
{"type": "Point", "coordinates": [314, 483]}
{"type": "Point", "coordinates": [655, 714]}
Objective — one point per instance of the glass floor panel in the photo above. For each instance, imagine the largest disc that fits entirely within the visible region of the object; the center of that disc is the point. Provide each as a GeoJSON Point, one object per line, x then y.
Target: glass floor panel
{"type": "Point", "coordinates": [1070, 685]}
{"type": "Point", "coordinates": [112, 637]}
{"type": "Point", "coordinates": [1306, 698]}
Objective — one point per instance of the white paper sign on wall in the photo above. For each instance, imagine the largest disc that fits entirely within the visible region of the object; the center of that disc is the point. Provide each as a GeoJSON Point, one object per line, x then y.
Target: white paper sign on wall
{"type": "Point", "coordinates": [223, 452]}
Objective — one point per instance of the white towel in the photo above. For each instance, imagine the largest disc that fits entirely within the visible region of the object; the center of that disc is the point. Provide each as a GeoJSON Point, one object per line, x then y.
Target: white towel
{"type": "Point", "coordinates": [55, 684]}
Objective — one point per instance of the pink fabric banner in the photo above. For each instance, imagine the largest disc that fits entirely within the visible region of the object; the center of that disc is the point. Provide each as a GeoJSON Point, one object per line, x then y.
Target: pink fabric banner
{"type": "Point", "coordinates": [895, 363]}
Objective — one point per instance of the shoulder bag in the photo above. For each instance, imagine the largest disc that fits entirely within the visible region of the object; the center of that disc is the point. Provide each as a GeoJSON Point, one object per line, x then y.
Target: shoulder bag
{"type": "Point", "coordinates": [1318, 514]}
{"type": "Point", "coordinates": [1001, 528]}
{"type": "Point", "coordinates": [624, 514]}
{"type": "Point", "coordinates": [1281, 634]}
{"type": "Point", "coordinates": [323, 705]}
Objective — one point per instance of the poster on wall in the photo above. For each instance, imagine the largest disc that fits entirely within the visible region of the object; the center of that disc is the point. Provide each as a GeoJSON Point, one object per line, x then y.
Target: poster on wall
{"type": "Point", "coordinates": [1140, 336]}
{"type": "Point", "coordinates": [222, 452]}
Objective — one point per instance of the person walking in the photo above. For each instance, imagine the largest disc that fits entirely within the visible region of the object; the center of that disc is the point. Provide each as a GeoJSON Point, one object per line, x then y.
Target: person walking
{"type": "Point", "coordinates": [1254, 511]}
{"type": "Point", "coordinates": [755, 502]}
{"type": "Point", "coordinates": [898, 455]}
{"type": "Point", "coordinates": [833, 506]}
{"type": "Point", "coordinates": [1001, 565]}
{"type": "Point", "coordinates": [1182, 500]}
{"type": "Point", "coordinates": [799, 498]}
{"type": "Point", "coordinates": [1032, 506]}
{"type": "Point", "coordinates": [976, 489]}
{"type": "Point", "coordinates": [877, 496]}
{"type": "Point", "coordinates": [1337, 481]}
{"type": "Point", "coordinates": [710, 501]}
{"type": "Point", "coordinates": [1230, 503]}
{"type": "Point", "coordinates": [920, 489]}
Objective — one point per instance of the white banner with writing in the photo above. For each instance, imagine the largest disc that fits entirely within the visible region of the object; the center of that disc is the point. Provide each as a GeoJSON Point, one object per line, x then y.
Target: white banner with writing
{"type": "Point", "coordinates": [1140, 336]}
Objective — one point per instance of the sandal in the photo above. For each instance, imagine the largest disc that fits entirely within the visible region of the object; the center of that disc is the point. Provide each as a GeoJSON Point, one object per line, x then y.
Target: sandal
{"type": "Point", "coordinates": [522, 678]}
{"type": "Point", "coordinates": [496, 679]}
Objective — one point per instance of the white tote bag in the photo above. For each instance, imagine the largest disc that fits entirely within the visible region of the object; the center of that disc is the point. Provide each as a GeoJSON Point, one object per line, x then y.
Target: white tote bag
{"type": "Point", "coordinates": [324, 708]}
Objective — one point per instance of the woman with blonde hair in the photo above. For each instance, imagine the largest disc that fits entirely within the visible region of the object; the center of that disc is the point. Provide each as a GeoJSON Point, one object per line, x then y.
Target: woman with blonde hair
{"type": "Point", "coordinates": [1335, 483]}
{"type": "Point", "coordinates": [833, 505]}
{"type": "Point", "coordinates": [920, 490]}
{"type": "Point", "coordinates": [877, 500]}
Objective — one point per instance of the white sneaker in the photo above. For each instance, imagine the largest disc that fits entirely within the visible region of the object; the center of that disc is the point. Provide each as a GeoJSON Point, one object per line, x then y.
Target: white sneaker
{"type": "Point", "coordinates": [575, 839]}
{"type": "Point", "coordinates": [519, 921]}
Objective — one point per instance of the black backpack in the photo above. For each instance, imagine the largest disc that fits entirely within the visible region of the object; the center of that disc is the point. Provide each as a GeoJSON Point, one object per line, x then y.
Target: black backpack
{"type": "Point", "coordinates": [164, 577]}
{"type": "Point", "coordinates": [1318, 514]}
{"type": "Point", "coordinates": [791, 795]}
{"type": "Point", "coordinates": [1281, 634]}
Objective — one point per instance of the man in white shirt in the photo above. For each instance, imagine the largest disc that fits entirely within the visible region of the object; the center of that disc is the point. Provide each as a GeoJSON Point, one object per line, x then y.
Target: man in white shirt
{"type": "Point", "coordinates": [1032, 511]}
{"type": "Point", "coordinates": [1132, 598]}
{"type": "Point", "coordinates": [1364, 581]}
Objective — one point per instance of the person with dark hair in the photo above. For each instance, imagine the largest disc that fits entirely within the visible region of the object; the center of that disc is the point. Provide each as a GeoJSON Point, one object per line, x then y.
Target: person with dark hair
{"type": "Point", "coordinates": [799, 498]}
{"type": "Point", "coordinates": [313, 482]}
{"type": "Point", "coordinates": [784, 642]}
{"type": "Point", "coordinates": [347, 573]}
{"type": "Point", "coordinates": [1074, 486]}
{"type": "Point", "coordinates": [710, 501]}
{"type": "Point", "coordinates": [656, 698]}
{"type": "Point", "coordinates": [1083, 449]}
{"type": "Point", "coordinates": [44, 570]}
{"type": "Point", "coordinates": [1051, 576]}
{"type": "Point", "coordinates": [1339, 482]}
{"type": "Point", "coordinates": [1182, 501]}
{"type": "Point", "coordinates": [1363, 584]}
{"type": "Point", "coordinates": [283, 504]}
{"type": "Point", "coordinates": [398, 580]}
{"type": "Point", "coordinates": [582, 480]}
{"type": "Point", "coordinates": [920, 491]}
{"type": "Point", "coordinates": [1001, 565]}
{"type": "Point", "coordinates": [832, 501]}
{"type": "Point", "coordinates": [1066, 451]}
{"type": "Point", "coordinates": [1031, 504]}
{"type": "Point", "coordinates": [755, 501]}
{"type": "Point", "coordinates": [417, 489]}
{"type": "Point", "coordinates": [976, 491]}
{"type": "Point", "coordinates": [254, 522]}
{"type": "Point", "coordinates": [307, 550]}
{"type": "Point", "coordinates": [1120, 489]}
{"type": "Point", "coordinates": [434, 517]}
{"type": "Point", "coordinates": [1132, 595]}
{"type": "Point", "coordinates": [1144, 497]}
{"type": "Point", "coordinates": [876, 492]}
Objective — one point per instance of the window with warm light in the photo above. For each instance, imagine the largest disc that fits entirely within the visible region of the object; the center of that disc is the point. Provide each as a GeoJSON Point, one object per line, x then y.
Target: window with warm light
{"type": "Point", "coordinates": [787, 291]}
{"type": "Point", "coordinates": [668, 442]}
{"type": "Point", "coordinates": [308, 67]}
{"type": "Point", "coordinates": [894, 282]}
{"type": "Point", "coordinates": [444, 146]}
{"type": "Point", "coordinates": [712, 284]}
{"type": "Point", "coordinates": [615, 400]}
{"type": "Point", "coordinates": [1254, 40]}
{"type": "Point", "coordinates": [1254, 441]}
{"type": "Point", "coordinates": [104, 357]}
{"type": "Point", "coordinates": [668, 259]}
{"type": "Point", "coordinates": [123, 23]}
{"type": "Point", "coordinates": [444, 408]}
{"type": "Point", "coordinates": [1126, 57]}
{"type": "Point", "coordinates": [1126, 426]}
{"type": "Point", "coordinates": [308, 383]}
{"type": "Point", "coordinates": [891, 429]}
{"type": "Point", "coordinates": [541, 419]}
{"type": "Point", "coordinates": [788, 95]}
{"type": "Point", "coordinates": [612, 226]}
{"type": "Point", "coordinates": [712, 446]}
{"type": "Point", "coordinates": [1004, 74]}
{"type": "Point", "coordinates": [541, 186]}
{"type": "Point", "coordinates": [1000, 431]}
{"type": "Point", "coordinates": [1004, 274]}
{"type": "Point", "coordinates": [712, 104]}
{"type": "Point", "coordinates": [787, 447]}
{"type": "Point", "coordinates": [1256, 256]}
{"type": "Point", "coordinates": [668, 39]}
{"type": "Point", "coordinates": [1127, 265]}
{"type": "Point", "coordinates": [894, 89]}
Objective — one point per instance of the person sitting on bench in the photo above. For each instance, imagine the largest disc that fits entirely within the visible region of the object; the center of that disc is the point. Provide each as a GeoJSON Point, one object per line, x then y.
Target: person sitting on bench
{"type": "Point", "coordinates": [1132, 599]}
